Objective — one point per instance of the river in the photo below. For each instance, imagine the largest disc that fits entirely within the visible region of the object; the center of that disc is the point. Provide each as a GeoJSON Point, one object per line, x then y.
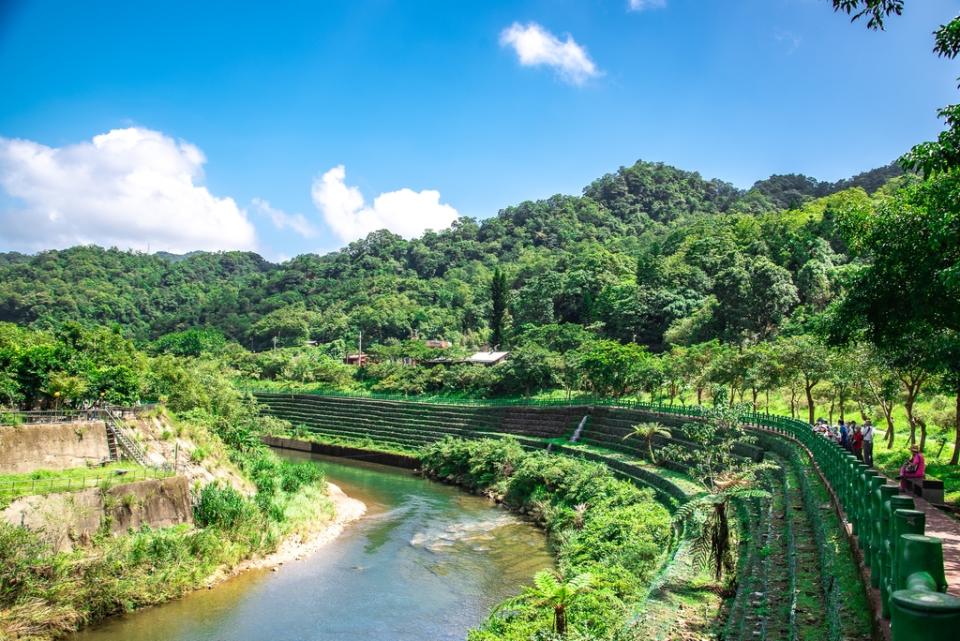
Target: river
{"type": "Point", "coordinates": [426, 563]}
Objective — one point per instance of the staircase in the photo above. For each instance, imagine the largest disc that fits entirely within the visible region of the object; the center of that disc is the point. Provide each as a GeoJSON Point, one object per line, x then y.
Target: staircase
{"type": "Point", "coordinates": [112, 446]}
{"type": "Point", "coordinates": [119, 442]}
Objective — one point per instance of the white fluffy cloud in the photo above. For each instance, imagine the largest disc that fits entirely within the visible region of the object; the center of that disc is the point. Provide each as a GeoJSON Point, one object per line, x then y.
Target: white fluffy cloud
{"type": "Point", "coordinates": [130, 188]}
{"type": "Point", "coordinates": [536, 46]}
{"type": "Point", "coordinates": [405, 212]}
{"type": "Point", "coordinates": [283, 220]}
{"type": "Point", "coordinates": [642, 5]}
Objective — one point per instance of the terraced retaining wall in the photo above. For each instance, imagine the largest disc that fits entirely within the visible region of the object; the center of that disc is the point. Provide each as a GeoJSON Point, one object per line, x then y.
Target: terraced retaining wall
{"type": "Point", "coordinates": [408, 424]}
{"type": "Point", "coordinates": [782, 592]}
{"type": "Point", "coordinates": [373, 423]}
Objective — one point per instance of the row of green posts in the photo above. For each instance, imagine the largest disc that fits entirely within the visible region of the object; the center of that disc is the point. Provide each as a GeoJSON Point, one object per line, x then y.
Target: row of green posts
{"type": "Point", "coordinates": [904, 564]}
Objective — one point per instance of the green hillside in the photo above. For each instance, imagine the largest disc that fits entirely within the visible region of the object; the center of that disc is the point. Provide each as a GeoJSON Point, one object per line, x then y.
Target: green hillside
{"type": "Point", "coordinates": [644, 248]}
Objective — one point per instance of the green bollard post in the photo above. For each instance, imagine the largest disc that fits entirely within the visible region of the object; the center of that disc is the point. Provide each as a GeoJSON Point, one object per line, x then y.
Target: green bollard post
{"type": "Point", "coordinates": [896, 502]}
{"type": "Point", "coordinates": [920, 611]}
{"type": "Point", "coordinates": [857, 490]}
{"type": "Point", "coordinates": [846, 477]}
{"type": "Point", "coordinates": [880, 531]}
{"type": "Point", "coordinates": [921, 615]}
{"type": "Point", "coordinates": [870, 518]}
{"type": "Point", "coordinates": [905, 521]}
{"type": "Point", "coordinates": [921, 564]}
{"type": "Point", "coordinates": [871, 481]}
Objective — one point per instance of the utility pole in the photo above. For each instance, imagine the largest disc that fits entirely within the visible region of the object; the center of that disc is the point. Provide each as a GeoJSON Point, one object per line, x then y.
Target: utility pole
{"type": "Point", "coordinates": [360, 350]}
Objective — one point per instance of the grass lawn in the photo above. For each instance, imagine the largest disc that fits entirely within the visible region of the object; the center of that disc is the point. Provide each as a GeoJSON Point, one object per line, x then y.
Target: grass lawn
{"type": "Point", "coordinates": [13, 486]}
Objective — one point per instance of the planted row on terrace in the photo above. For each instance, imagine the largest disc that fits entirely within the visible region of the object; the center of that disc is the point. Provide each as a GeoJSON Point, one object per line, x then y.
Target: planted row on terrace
{"type": "Point", "coordinates": [552, 422]}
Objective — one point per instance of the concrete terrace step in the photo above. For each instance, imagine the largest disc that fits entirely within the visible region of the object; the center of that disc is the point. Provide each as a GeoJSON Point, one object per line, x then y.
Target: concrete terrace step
{"type": "Point", "coordinates": [384, 414]}
{"type": "Point", "coordinates": [299, 414]}
{"type": "Point", "coordinates": [381, 415]}
{"type": "Point", "coordinates": [373, 427]}
{"type": "Point", "coordinates": [361, 436]}
{"type": "Point", "coordinates": [371, 403]}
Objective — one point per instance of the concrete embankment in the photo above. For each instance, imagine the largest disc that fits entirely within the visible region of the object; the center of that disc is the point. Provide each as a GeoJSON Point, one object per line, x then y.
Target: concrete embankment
{"type": "Point", "coordinates": [54, 446]}
{"type": "Point", "coordinates": [357, 454]}
{"type": "Point", "coordinates": [66, 519]}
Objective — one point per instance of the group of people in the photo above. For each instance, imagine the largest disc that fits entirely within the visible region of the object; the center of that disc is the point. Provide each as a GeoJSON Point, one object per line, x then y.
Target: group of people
{"type": "Point", "coordinates": [859, 441]}
{"type": "Point", "coordinates": [852, 437]}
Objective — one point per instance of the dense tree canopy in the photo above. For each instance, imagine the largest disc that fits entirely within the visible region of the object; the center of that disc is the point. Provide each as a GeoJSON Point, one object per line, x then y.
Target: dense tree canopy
{"type": "Point", "coordinates": [646, 252]}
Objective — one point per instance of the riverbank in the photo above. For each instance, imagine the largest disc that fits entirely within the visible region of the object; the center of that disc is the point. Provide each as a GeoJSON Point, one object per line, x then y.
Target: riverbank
{"type": "Point", "coordinates": [58, 592]}
{"type": "Point", "coordinates": [305, 542]}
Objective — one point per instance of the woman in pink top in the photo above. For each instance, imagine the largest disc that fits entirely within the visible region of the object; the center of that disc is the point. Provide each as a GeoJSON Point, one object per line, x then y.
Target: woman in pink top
{"type": "Point", "coordinates": [915, 468]}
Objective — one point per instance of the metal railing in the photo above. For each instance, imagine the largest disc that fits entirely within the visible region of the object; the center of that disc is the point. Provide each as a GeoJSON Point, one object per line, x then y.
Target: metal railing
{"type": "Point", "coordinates": [440, 399]}
{"type": "Point", "coordinates": [128, 445]}
{"type": "Point", "coordinates": [13, 488]}
{"type": "Point", "coordinates": [27, 417]}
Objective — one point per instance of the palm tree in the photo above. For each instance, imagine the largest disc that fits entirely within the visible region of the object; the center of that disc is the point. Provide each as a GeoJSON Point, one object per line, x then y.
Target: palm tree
{"type": "Point", "coordinates": [707, 513]}
{"type": "Point", "coordinates": [647, 431]}
{"type": "Point", "coordinates": [549, 590]}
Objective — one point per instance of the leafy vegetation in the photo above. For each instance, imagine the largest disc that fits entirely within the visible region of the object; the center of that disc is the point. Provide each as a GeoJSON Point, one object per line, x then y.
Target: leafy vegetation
{"type": "Point", "coordinates": [600, 527]}
{"type": "Point", "coordinates": [46, 593]}
{"type": "Point", "coordinates": [654, 282]}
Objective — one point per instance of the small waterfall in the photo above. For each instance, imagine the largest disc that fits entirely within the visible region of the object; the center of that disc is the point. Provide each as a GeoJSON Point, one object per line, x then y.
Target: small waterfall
{"type": "Point", "coordinates": [576, 433]}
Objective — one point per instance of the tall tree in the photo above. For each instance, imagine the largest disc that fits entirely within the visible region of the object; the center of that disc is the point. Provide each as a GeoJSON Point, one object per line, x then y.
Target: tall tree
{"type": "Point", "coordinates": [498, 309]}
{"type": "Point", "coordinates": [906, 298]}
{"type": "Point", "coordinates": [809, 358]}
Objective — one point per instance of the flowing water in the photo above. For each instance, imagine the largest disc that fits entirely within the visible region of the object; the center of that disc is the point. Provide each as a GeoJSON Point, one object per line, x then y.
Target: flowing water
{"type": "Point", "coordinates": [426, 563]}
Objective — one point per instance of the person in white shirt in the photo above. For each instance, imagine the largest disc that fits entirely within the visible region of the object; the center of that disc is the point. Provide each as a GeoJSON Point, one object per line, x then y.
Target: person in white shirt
{"type": "Point", "coordinates": [867, 433]}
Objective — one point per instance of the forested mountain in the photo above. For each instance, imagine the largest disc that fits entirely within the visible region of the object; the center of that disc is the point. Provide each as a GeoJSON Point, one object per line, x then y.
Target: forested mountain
{"type": "Point", "coordinates": [646, 252]}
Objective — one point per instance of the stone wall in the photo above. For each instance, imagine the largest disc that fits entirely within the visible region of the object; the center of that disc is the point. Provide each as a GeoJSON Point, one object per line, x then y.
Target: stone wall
{"type": "Point", "coordinates": [54, 446]}
{"type": "Point", "coordinates": [68, 518]}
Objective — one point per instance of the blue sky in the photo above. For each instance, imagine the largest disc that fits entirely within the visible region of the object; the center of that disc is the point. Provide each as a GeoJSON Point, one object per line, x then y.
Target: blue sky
{"type": "Point", "coordinates": [232, 120]}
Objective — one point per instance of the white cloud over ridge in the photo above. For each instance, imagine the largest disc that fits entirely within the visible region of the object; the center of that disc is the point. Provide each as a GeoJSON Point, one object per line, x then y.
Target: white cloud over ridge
{"type": "Point", "coordinates": [535, 46]}
{"type": "Point", "coordinates": [405, 212]}
{"type": "Point", "coordinates": [130, 188]}
{"type": "Point", "coordinates": [282, 220]}
{"type": "Point", "coordinates": [642, 5]}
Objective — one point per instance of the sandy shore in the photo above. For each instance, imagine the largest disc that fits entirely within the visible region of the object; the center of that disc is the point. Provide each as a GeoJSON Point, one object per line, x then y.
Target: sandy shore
{"type": "Point", "coordinates": [346, 510]}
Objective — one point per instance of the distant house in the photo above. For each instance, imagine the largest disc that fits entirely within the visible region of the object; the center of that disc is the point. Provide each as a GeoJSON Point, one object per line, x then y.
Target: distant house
{"type": "Point", "coordinates": [437, 344]}
{"type": "Point", "coordinates": [487, 358]}
{"type": "Point", "coordinates": [356, 359]}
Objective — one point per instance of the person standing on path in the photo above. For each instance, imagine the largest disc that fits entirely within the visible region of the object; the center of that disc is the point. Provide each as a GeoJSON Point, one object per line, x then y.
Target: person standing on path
{"type": "Point", "coordinates": [868, 442]}
{"type": "Point", "coordinates": [856, 441]}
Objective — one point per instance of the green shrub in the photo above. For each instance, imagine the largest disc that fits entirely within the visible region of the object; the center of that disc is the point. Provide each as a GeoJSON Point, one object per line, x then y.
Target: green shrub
{"type": "Point", "coordinates": [297, 475]}
{"type": "Point", "coordinates": [221, 506]}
